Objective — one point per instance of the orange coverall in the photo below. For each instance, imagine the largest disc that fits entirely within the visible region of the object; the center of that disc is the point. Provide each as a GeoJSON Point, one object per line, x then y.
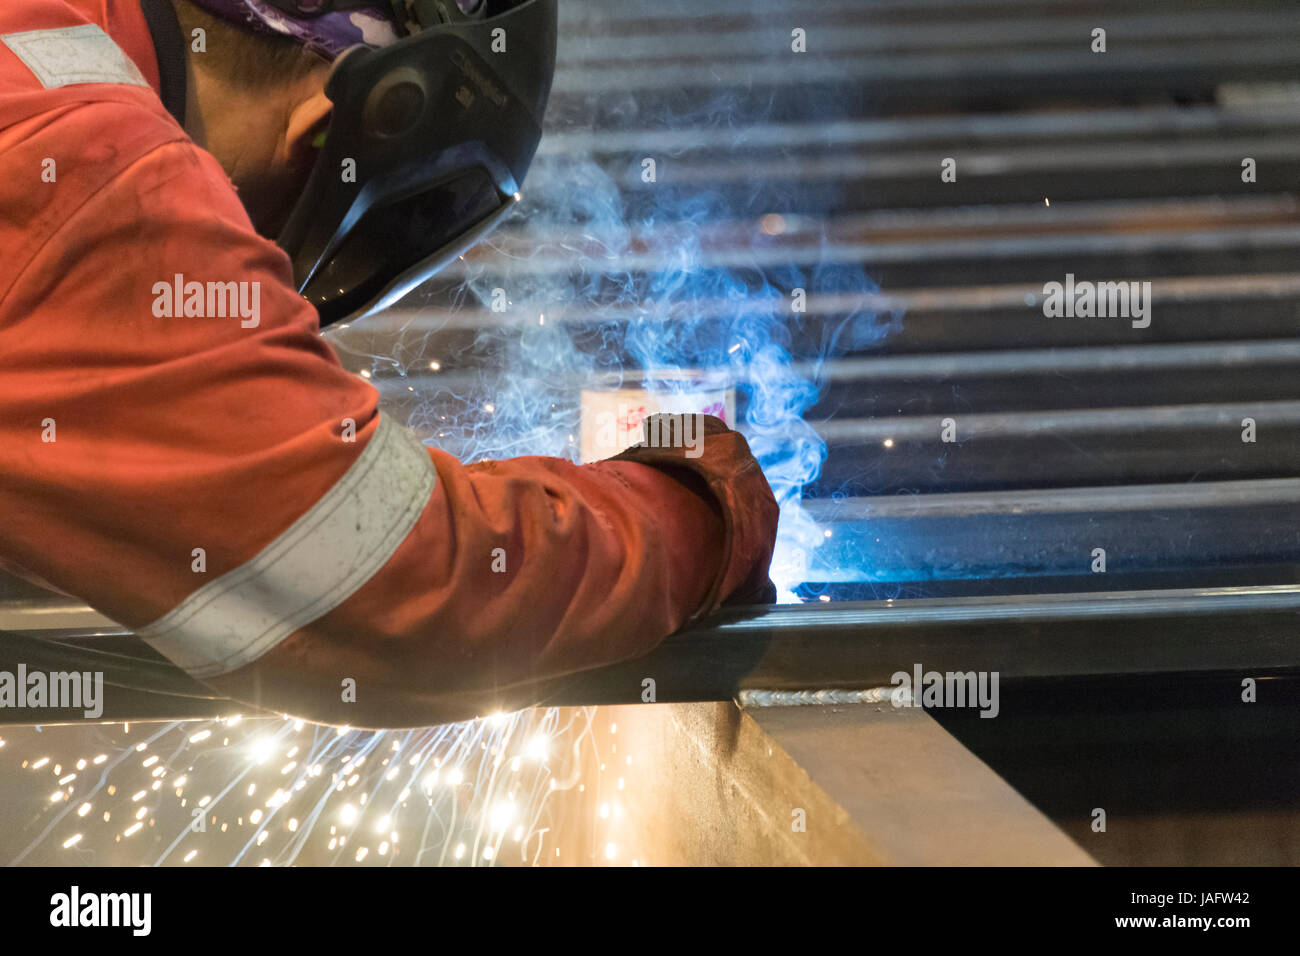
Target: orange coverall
{"type": "Point", "coordinates": [129, 441]}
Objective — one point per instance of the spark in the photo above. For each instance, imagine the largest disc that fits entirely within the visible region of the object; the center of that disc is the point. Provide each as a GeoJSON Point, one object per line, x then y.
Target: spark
{"type": "Point", "coordinates": [229, 781]}
{"type": "Point", "coordinates": [262, 749]}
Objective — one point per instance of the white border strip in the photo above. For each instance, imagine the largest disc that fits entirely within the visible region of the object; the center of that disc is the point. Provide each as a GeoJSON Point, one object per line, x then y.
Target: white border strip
{"type": "Point", "coordinates": [313, 567]}
{"type": "Point", "coordinates": [71, 55]}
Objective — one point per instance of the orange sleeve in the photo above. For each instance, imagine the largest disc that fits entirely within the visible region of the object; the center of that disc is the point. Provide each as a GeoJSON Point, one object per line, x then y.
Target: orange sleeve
{"type": "Point", "coordinates": [131, 443]}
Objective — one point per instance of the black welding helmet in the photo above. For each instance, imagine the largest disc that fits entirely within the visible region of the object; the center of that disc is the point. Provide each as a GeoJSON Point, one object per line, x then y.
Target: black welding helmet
{"type": "Point", "coordinates": [428, 143]}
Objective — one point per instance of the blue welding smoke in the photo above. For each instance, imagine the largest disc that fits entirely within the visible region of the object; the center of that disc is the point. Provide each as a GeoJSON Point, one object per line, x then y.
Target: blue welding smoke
{"type": "Point", "coordinates": [602, 275]}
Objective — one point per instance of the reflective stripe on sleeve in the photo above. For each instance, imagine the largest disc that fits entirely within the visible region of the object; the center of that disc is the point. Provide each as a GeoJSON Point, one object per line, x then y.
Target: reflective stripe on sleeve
{"type": "Point", "coordinates": [71, 55]}
{"type": "Point", "coordinates": [313, 567]}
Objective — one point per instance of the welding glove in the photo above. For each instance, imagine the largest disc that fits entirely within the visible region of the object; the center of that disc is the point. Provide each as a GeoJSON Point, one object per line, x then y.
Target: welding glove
{"type": "Point", "coordinates": [718, 465]}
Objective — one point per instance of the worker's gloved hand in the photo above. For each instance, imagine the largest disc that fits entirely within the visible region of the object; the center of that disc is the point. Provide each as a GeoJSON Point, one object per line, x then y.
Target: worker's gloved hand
{"type": "Point", "coordinates": [715, 462]}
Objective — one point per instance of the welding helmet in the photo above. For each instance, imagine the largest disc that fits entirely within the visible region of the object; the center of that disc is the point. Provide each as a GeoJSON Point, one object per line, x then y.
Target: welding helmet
{"type": "Point", "coordinates": [429, 139]}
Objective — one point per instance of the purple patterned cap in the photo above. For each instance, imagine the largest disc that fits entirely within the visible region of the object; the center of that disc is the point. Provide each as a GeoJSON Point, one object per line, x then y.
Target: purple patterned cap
{"type": "Point", "coordinates": [329, 34]}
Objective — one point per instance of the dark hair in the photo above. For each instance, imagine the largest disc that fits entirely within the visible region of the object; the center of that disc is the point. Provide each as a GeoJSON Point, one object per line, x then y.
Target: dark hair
{"type": "Point", "coordinates": [259, 60]}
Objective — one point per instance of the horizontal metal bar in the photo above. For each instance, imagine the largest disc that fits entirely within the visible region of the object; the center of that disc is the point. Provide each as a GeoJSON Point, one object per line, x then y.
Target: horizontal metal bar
{"type": "Point", "coordinates": [617, 13]}
{"type": "Point", "coordinates": [1005, 546]}
{"type": "Point", "coordinates": [874, 172]}
{"type": "Point", "coordinates": [608, 15]}
{"type": "Point", "coordinates": [1210, 356]}
{"type": "Point", "coordinates": [55, 614]}
{"type": "Point", "coordinates": [893, 133]}
{"type": "Point", "coordinates": [965, 383]}
{"type": "Point", "coordinates": [943, 222]}
{"type": "Point", "coordinates": [1043, 379]}
{"type": "Point", "coordinates": [56, 617]}
{"type": "Point", "coordinates": [935, 371]}
{"type": "Point", "coordinates": [797, 647]}
{"type": "Point", "coordinates": [1204, 61]}
{"type": "Point", "coordinates": [1066, 448]}
{"type": "Point", "coordinates": [718, 39]}
{"type": "Point", "coordinates": [736, 195]}
{"type": "Point", "coordinates": [931, 255]}
{"type": "Point", "coordinates": [1070, 423]}
{"type": "Point", "coordinates": [1090, 501]}
{"type": "Point", "coordinates": [988, 317]}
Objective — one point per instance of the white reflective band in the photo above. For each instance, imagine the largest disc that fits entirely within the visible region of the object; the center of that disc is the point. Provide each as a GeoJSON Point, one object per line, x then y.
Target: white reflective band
{"type": "Point", "coordinates": [316, 565]}
{"type": "Point", "coordinates": [84, 54]}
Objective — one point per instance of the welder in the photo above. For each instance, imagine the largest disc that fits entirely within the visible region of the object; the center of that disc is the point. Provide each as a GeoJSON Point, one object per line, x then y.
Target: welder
{"type": "Point", "coordinates": [203, 469]}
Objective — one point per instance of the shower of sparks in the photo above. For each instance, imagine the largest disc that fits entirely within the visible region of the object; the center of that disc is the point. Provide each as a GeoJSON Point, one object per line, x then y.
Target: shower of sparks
{"type": "Point", "coordinates": [278, 791]}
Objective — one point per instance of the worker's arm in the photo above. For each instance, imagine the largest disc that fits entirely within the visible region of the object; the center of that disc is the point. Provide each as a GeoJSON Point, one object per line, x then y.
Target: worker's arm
{"type": "Point", "coordinates": [230, 491]}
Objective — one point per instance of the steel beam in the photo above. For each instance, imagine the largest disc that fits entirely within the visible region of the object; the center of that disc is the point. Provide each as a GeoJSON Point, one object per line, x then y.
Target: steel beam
{"type": "Point", "coordinates": [1247, 631]}
{"type": "Point", "coordinates": [713, 784]}
{"type": "Point", "coordinates": [1065, 448]}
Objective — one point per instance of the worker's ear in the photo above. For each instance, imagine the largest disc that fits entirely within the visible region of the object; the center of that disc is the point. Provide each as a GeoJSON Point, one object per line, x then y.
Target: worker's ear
{"type": "Point", "coordinates": [307, 124]}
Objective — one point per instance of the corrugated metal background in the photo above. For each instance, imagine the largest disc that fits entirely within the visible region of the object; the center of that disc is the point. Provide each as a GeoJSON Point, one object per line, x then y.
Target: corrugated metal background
{"type": "Point", "coordinates": [820, 170]}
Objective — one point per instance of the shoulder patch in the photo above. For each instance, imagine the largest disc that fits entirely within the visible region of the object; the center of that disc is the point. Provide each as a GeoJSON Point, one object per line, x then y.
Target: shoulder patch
{"type": "Point", "coordinates": [84, 54]}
